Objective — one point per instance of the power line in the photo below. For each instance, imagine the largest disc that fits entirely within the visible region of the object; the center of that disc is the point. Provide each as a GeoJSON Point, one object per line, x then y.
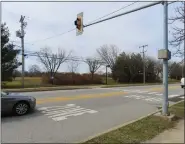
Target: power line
{"type": "Point", "coordinates": [128, 12]}
{"type": "Point", "coordinates": [114, 11]}
{"type": "Point", "coordinates": [90, 22]}
{"type": "Point", "coordinates": [39, 54]}
{"type": "Point", "coordinates": [54, 36]}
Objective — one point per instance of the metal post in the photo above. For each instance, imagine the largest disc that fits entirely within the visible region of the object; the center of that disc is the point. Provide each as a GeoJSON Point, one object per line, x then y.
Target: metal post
{"type": "Point", "coordinates": [183, 62]}
{"type": "Point", "coordinates": [165, 62]}
{"type": "Point", "coordinates": [106, 74]}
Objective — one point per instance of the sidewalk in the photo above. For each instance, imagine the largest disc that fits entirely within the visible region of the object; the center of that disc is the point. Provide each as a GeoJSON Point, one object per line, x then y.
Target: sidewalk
{"type": "Point", "coordinates": [175, 135]}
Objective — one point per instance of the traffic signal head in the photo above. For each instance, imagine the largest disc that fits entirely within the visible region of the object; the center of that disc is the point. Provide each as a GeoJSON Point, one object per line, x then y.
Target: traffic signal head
{"type": "Point", "coordinates": [79, 23]}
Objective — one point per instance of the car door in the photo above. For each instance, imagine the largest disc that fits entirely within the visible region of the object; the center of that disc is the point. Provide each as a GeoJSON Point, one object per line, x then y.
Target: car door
{"type": "Point", "coordinates": [6, 103]}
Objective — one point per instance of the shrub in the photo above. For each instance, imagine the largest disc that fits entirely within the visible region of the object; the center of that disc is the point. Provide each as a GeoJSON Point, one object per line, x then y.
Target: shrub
{"type": "Point", "coordinates": [72, 79]}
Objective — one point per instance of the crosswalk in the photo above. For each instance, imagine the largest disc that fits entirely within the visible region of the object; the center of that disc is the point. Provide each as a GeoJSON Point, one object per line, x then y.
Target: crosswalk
{"type": "Point", "coordinates": [149, 96]}
{"type": "Point", "coordinates": [59, 113]}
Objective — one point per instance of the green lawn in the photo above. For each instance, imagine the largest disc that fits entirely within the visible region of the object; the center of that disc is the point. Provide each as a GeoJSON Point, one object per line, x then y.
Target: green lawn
{"type": "Point", "coordinates": [28, 82]}
{"type": "Point", "coordinates": [32, 82]}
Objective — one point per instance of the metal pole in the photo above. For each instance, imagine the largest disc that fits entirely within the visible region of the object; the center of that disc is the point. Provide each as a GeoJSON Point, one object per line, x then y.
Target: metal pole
{"type": "Point", "coordinates": [183, 62]}
{"type": "Point", "coordinates": [106, 74]}
{"type": "Point", "coordinates": [165, 62]}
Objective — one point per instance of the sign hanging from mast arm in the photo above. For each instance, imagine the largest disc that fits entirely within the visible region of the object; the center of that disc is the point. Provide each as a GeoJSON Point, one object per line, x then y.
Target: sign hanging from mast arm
{"type": "Point", "coordinates": [79, 24]}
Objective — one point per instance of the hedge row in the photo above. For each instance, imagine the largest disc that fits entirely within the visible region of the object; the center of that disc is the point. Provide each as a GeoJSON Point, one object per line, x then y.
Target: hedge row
{"type": "Point", "coordinates": [72, 79]}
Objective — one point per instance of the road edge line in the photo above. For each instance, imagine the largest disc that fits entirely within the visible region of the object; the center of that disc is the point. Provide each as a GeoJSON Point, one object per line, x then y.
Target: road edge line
{"type": "Point", "coordinates": [122, 125]}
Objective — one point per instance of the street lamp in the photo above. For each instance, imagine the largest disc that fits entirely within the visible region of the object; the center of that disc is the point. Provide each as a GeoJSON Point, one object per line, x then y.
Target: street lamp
{"type": "Point", "coordinates": [106, 72]}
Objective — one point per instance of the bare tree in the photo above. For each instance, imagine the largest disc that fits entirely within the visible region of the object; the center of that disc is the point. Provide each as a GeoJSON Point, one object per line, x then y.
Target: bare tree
{"type": "Point", "coordinates": [34, 70]}
{"type": "Point", "coordinates": [52, 61]}
{"type": "Point", "coordinates": [158, 67]}
{"type": "Point", "coordinates": [94, 65]}
{"type": "Point", "coordinates": [108, 54]}
{"type": "Point", "coordinates": [178, 32]}
{"type": "Point", "coordinates": [73, 66]}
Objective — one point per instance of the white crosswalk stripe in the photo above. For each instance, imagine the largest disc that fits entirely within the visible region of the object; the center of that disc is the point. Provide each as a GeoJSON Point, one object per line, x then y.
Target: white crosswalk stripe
{"type": "Point", "coordinates": [159, 94]}
{"type": "Point", "coordinates": [146, 98]}
{"type": "Point", "coordinates": [147, 92]}
{"type": "Point", "coordinates": [182, 97]}
{"type": "Point", "coordinates": [153, 93]}
{"type": "Point", "coordinates": [143, 92]}
{"type": "Point", "coordinates": [171, 96]}
{"type": "Point", "coordinates": [58, 113]}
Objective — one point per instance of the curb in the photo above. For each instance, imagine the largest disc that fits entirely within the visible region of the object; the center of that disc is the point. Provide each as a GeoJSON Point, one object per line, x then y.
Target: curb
{"type": "Point", "coordinates": [73, 88]}
{"type": "Point", "coordinates": [122, 125]}
{"type": "Point", "coordinates": [45, 89]}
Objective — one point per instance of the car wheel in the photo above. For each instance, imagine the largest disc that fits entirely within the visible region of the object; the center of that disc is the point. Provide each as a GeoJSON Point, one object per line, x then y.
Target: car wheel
{"type": "Point", "coordinates": [21, 108]}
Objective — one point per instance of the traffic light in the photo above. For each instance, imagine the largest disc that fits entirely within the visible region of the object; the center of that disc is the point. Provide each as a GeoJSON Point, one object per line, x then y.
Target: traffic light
{"type": "Point", "coordinates": [79, 24]}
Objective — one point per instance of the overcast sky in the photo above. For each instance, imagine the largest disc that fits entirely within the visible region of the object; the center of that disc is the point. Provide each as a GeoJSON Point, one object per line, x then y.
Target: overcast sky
{"type": "Point", "coordinates": [47, 19]}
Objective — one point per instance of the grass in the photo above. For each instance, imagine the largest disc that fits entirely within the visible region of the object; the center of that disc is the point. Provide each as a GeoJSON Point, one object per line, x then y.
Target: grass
{"type": "Point", "coordinates": [142, 130]}
{"type": "Point", "coordinates": [178, 110]}
{"type": "Point", "coordinates": [28, 82]}
{"type": "Point", "coordinates": [36, 82]}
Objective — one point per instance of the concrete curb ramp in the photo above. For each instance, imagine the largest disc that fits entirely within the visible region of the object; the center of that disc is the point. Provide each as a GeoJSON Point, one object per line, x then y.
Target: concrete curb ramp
{"type": "Point", "coordinates": [122, 125]}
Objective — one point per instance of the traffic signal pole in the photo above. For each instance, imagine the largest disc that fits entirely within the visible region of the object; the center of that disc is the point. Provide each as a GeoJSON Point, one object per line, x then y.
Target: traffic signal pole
{"type": "Point", "coordinates": [165, 62]}
{"type": "Point", "coordinates": [164, 54]}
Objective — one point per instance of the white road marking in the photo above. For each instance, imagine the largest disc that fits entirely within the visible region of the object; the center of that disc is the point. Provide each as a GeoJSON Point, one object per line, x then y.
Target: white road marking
{"type": "Point", "coordinates": [153, 93]}
{"type": "Point", "coordinates": [126, 96]}
{"type": "Point", "coordinates": [149, 99]}
{"type": "Point", "coordinates": [159, 94]}
{"type": "Point", "coordinates": [126, 90]}
{"type": "Point", "coordinates": [129, 96]}
{"type": "Point", "coordinates": [46, 108]}
{"type": "Point", "coordinates": [137, 97]}
{"type": "Point", "coordinates": [155, 99]}
{"type": "Point", "coordinates": [182, 97]}
{"type": "Point", "coordinates": [171, 96]}
{"type": "Point", "coordinates": [58, 113]}
{"type": "Point", "coordinates": [55, 112]}
{"type": "Point", "coordinates": [143, 92]}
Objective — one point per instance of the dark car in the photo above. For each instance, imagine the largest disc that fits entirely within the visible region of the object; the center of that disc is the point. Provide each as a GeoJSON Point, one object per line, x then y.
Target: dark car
{"type": "Point", "coordinates": [16, 104]}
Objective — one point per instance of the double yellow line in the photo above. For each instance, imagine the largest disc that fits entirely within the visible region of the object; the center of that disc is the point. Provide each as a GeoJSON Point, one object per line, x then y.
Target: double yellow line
{"type": "Point", "coordinates": [87, 96]}
{"type": "Point", "coordinates": [78, 97]}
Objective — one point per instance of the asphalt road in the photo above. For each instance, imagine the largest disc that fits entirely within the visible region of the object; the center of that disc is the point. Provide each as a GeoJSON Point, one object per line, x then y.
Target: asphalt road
{"type": "Point", "coordinates": [70, 116]}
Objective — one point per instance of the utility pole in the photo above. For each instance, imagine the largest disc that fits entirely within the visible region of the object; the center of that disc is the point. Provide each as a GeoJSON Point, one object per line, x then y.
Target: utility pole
{"type": "Point", "coordinates": [20, 34]}
{"type": "Point", "coordinates": [143, 52]}
{"type": "Point", "coordinates": [106, 73]}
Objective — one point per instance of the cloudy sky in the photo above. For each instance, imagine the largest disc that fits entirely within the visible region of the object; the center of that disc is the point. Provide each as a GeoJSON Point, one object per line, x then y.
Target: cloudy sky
{"type": "Point", "coordinates": [49, 19]}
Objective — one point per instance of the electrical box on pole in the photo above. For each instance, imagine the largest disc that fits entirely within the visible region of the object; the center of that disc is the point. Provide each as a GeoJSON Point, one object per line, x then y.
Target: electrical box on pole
{"type": "Point", "coordinates": [79, 24]}
{"type": "Point", "coordinates": [164, 54]}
